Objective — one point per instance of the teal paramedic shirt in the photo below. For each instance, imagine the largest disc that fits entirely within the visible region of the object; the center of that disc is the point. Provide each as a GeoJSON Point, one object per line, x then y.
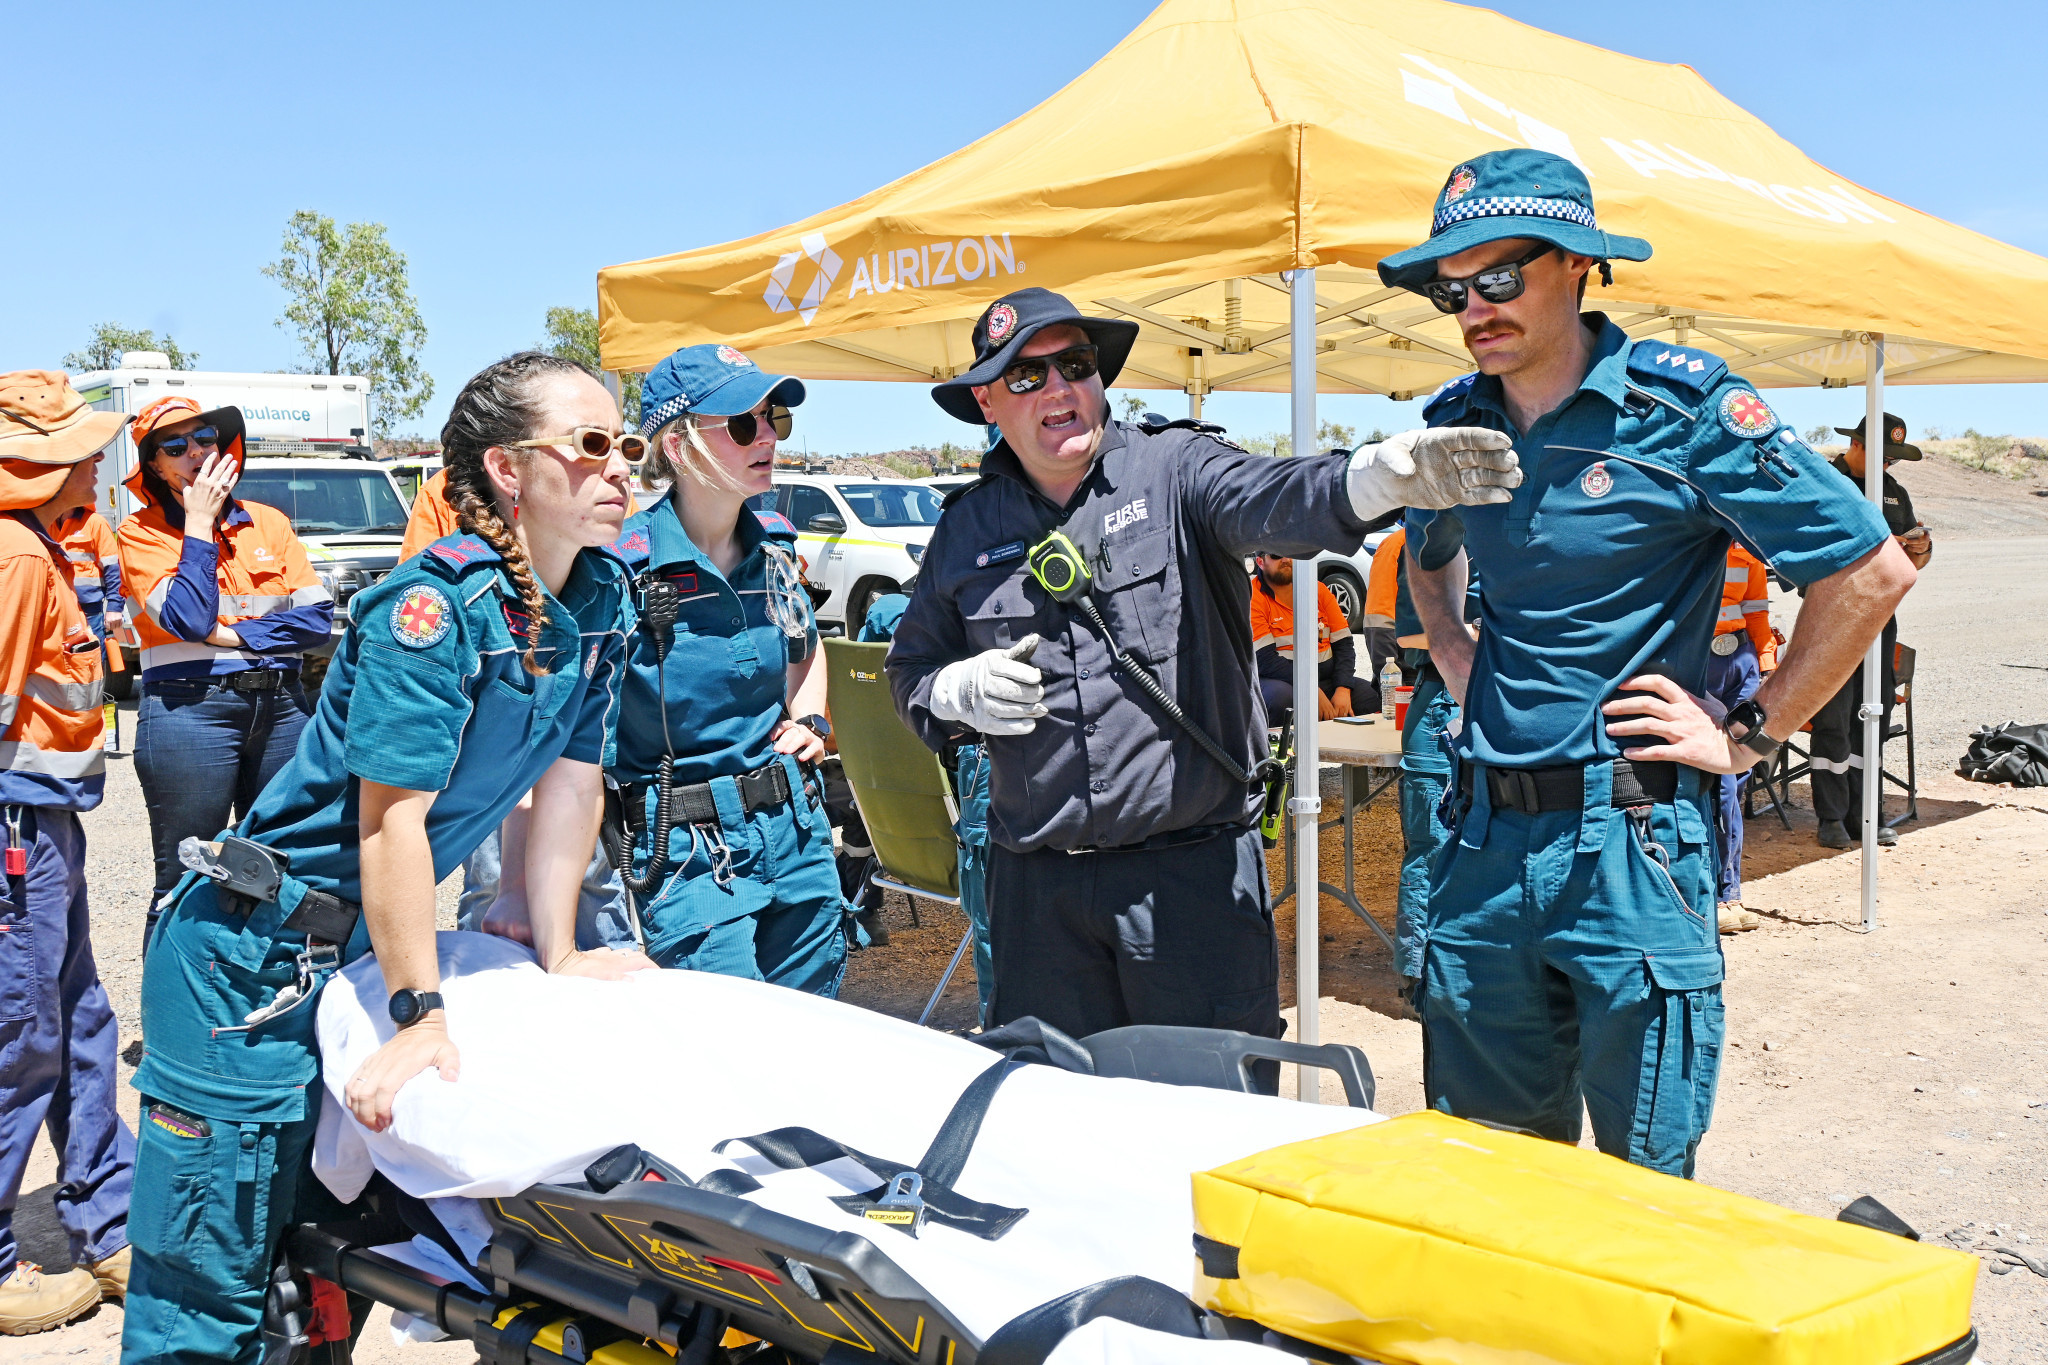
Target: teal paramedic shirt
{"type": "Point", "coordinates": [1609, 560]}
{"type": "Point", "coordinates": [722, 686]}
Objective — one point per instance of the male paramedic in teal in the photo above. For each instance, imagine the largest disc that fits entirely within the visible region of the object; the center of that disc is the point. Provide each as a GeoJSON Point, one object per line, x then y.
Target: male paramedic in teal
{"type": "Point", "coordinates": [1570, 948]}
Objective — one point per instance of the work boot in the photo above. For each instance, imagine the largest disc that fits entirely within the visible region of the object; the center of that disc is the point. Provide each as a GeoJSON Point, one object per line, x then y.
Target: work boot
{"type": "Point", "coordinates": [112, 1273]}
{"type": "Point", "coordinates": [1887, 837]}
{"type": "Point", "coordinates": [31, 1301]}
{"type": "Point", "coordinates": [1834, 835]}
{"type": "Point", "coordinates": [1736, 920]}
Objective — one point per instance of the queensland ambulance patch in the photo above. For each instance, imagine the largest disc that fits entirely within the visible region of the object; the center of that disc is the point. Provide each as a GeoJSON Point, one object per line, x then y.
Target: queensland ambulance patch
{"type": "Point", "coordinates": [1596, 482]}
{"type": "Point", "coordinates": [1461, 181]}
{"type": "Point", "coordinates": [1002, 320]}
{"type": "Point", "coordinates": [422, 617]}
{"type": "Point", "coordinates": [1747, 415]}
{"type": "Point", "coordinates": [732, 357]}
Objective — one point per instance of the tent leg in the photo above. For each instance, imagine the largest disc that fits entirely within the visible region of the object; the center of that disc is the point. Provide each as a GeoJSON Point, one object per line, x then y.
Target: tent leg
{"type": "Point", "coordinates": [1195, 404]}
{"type": "Point", "coordinates": [1872, 715]}
{"type": "Point", "coordinates": [1307, 802]}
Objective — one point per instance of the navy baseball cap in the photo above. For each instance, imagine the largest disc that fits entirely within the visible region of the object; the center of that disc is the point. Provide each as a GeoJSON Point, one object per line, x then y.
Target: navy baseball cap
{"type": "Point", "coordinates": [1520, 192]}
{"type": "Point", "coordinates": [1003, 328]}
{"type": "Point", "coordinates": [713, 381]}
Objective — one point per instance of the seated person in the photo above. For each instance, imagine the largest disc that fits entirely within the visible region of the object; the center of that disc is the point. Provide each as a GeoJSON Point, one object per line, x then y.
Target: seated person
{"type": "Point", "coordinates": [1273, 645]}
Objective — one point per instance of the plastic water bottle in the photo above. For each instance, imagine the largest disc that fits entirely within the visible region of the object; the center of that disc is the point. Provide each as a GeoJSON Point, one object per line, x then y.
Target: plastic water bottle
{"type": "Point", "coordinates": [1390, 678]}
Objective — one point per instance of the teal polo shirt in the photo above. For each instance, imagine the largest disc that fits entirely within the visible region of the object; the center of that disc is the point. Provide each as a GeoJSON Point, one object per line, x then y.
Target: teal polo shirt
{"type": "Point", "coordinates": [1608, 561]}
{"type": "Point", "coordinates": [717, 696]}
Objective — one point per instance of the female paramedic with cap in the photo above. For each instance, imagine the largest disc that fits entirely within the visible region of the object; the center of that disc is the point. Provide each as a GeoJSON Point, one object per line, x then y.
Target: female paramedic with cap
{"type": "Point", "coordinates": [486, 666]}
{"type": "Point", "coordinates": [228, 604]}
{"type": "Point", "coordinates": [731, 847]}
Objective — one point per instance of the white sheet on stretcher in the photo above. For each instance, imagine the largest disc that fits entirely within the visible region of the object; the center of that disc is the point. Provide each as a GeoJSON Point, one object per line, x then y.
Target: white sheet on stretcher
{"type": "Point", "coordinates": [556, 1071]}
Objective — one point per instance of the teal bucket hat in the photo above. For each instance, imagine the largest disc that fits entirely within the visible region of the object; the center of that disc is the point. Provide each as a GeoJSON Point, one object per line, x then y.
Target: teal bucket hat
{"type": "Point", "coordinates": [1520, 192]}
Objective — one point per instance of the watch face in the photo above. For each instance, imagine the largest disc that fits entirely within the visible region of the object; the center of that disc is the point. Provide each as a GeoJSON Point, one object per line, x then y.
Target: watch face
{"type": "Point", "coordinates": [405, 1007]}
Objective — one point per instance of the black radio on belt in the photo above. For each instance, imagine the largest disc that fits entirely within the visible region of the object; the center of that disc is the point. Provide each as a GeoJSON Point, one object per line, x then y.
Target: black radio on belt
{"type": "Point", "coordinates": [253, 874]}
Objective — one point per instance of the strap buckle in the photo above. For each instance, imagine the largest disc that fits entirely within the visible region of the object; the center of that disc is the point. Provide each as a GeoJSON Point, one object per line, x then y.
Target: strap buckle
{"type": "Point", "coordinates": [903, 1205]}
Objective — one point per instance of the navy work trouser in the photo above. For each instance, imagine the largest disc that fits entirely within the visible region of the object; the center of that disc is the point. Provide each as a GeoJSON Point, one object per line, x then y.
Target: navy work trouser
{"type": "Point", "coordinates": [1838, 758]}
{"type": "Point", "coordinates": [58, 1043]}
{"type": "Point", "coordinates": [1573, 956]}
{"type": "Point", "coordinates": [1731, 680]}
{"type": "Point", "coordinates": [202, 753]}
{"type": "Point", "coordinates": [1425, 768]}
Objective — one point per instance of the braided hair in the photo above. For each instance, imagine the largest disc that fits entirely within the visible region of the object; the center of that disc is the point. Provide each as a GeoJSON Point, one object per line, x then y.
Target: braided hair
{"type": "Point", "coordinates": [498, 406]}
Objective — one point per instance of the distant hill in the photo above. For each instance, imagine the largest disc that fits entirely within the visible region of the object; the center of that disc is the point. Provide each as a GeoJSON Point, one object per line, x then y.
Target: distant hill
{"type": "Point", "coordinates": [1956, 496]}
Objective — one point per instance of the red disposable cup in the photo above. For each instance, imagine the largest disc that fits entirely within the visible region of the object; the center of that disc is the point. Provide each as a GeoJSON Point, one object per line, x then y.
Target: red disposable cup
{"type": "Point", "coordinates": [1402, 696]}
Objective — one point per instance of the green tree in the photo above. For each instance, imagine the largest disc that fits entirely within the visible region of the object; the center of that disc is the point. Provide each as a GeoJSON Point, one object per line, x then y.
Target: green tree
{"type": "Point", "coordinates": [1133, 405]}
{"type": "Point", "coordinates": [348, 294]}
{"type": "Point", "coordinates": [1820, 435]}
{"type": "Point", "coordinates": [109, 339]}
{"type": "Point", "coordinates": [1329, 436]}
{"type": "Point", "coordinates": [572, 335]}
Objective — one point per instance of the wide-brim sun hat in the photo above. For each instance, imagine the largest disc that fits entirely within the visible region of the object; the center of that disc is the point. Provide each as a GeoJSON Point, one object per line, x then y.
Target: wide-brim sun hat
{"type": "Point", "coordinates": [46, 427]}
{"type": "Point", "coordinates": [1004, 328]}
{"type": "Point", "coordinates": [168, 412]}
{"type": "Point", "coordinates": [1519, 192]}
{"type": "Point", "coordinates": [710, 380]}
{"type": "Point", "coordinates": [1895, 447]}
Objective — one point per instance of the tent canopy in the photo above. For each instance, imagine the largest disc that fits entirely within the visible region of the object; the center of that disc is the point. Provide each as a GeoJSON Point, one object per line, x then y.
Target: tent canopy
{"type": "Point", "coordinates": [1225, 141]}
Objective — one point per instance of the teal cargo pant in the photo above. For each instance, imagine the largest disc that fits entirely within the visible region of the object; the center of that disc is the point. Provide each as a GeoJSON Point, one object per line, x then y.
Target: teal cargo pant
{"type": "Point", "coordinates": [1425, 768]}
{"type": "Point", "coordinates": [1573, 956]}
{"type": "Point", "coordinates": [970, 787]}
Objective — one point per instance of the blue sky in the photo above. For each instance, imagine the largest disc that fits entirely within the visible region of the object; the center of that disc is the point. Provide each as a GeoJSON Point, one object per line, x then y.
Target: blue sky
{"type": "Point", "coordinates": [514, 148]}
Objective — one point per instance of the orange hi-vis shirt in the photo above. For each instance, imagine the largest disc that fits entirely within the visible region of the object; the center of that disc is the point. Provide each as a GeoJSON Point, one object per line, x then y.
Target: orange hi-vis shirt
{"type": "Point", "coordinates": [95, 559]}
{"type": "Point", "coordinates": [432, 517]}
{"type": "Point", "coordinates": [50, 684]}
{"type": "Point", "coordinates": [1746, 605]}
{"type": "Point", "coordinates": [1273, 621]}
{"type": "Point", "coordinates": [1385, 587]}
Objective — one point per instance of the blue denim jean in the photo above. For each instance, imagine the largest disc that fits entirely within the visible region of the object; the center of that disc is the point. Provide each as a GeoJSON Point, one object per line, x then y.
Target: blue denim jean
{"type": "Point", "coordinates": [202, 753]}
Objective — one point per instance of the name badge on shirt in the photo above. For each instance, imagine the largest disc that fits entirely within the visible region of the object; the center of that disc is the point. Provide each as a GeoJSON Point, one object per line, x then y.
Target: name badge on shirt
{"type": "Point", "coordinates": [1000, 554]}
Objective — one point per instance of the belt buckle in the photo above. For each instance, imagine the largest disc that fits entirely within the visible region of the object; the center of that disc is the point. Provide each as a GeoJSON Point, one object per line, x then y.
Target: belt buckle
{"type": "Point", "coordinates": [1725, 643]}
{"type": "Point", "coordinates": [1517, 790]}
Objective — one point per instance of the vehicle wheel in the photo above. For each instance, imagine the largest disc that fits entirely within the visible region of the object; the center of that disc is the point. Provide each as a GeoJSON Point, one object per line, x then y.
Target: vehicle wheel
{"type": "Point", "coordinates": [121, 686]}
{"type": "Point", "coordinates": [313, 672]}
{"type": "Point", "coordinates": [864, 594]}
{"type": "Point", "coordinates": [1349, 592]}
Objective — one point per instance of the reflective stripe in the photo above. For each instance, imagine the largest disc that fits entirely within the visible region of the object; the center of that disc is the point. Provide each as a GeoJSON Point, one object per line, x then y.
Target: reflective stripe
{"type": "Point", "coordinates": [8, 706]}
{"type": "Point", "coordinates": [1737, 574]}
{"type": "Point", "coordinates": [246, 604]}
{"type": "Point", "coordinates": [1731, 614]}
{"type": "Point", "coordinates": [154, 603]}
{"type": "Point", "coordinates": [1262, 642]}
{"type": "Point", "coordinates": [182, 652]}
{"type": "Point", "coordinates": [23, 757]}
{"type": "Point", "coordinates": [1343, 634]}
{"type": "Point", "coordinates": [1753, 605]}
{"type": "Point", "coordinates": [64, 696]}
{"type": "Point", "coordinates": [1286, 648]}
{"type": "Point", "coordinates": [1372, 622]}
{"type": "Point", "coordinates": [1828, 765]}
{"type": "Point", "coordinates": [309, 597]}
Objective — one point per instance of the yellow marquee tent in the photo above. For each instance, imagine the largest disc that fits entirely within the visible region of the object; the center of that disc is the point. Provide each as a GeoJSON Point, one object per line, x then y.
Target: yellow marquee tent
{"type": "Point", "coordinates": [1225, 141]}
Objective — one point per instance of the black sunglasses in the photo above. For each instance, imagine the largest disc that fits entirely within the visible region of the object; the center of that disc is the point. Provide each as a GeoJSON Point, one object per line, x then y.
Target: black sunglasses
{"type": "Point", "coordinates": [1028, 375]}
{"type": "Point", "coordinates": [745, 427]}
{"type": "Point", "coordinates": [1495, 284]}
{"type": "Point", "coordinates": [175, 446]}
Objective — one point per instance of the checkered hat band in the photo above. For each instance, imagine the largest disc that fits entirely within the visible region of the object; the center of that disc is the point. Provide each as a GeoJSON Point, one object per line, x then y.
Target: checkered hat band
{"type": "Point", "coordinates": [651, 422]}
{"type": "Point", "coordinates": [1512, 206]}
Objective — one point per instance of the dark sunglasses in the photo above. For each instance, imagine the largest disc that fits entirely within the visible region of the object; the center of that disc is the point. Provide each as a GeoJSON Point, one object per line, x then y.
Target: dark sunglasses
{"type": "Point", "coordinates": [1028, 375]}
{"type": "Point", "coordinates": [177, 445]}
{"type": "Point", "coordinates": [1495, 284]}
{"type": "Point", "coordinates": [745, 427]}
{"type": "Point", "coordinates": [592, 443]}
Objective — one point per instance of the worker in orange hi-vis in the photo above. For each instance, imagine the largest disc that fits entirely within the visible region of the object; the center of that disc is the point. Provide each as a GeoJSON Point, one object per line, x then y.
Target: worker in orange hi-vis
{"type": "Point", "coordinates": [1341, 689]}
{"type": "Point", "coordinates": [1745, 648]}
{"type": "Point", "coordinates": [1382, 595]}
{"type": "Point", "coordinates": [95, 570]}
{"type": "Point", "coordinates": [58, 1062]}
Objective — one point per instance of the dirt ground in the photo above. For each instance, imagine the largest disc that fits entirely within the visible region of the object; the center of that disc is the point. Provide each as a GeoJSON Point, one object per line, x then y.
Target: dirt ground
{"type": "Point", "coordinates": [1910, 1064]}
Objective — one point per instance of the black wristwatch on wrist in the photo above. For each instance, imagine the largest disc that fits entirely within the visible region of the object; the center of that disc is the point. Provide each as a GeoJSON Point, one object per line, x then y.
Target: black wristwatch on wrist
{"type": "Point", "coordinates": [816, 724]}
{"type": "Point", "coordinates": [1745, 725]}
{"type": "Point", "coordinates": [409, 1006]}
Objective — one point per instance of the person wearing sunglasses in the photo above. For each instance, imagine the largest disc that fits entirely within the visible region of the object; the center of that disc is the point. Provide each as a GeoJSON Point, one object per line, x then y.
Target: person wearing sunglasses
{"type": "Point", "coordinates": [720, 823]}
{"type": "Point", "coordinates": [1571, 957]}
{"type": "Point", "coordinates": [484, 669]}
{"type": "Point", "coordinates": [1126, 873]}
{"type": "Point", "coordinates": [225, 606]}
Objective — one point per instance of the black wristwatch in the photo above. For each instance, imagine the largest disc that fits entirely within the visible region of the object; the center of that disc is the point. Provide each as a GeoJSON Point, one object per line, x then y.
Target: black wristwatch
{"type": "Point", "coordinates": [408, 1006]}
{"type": "Point", "coordinates": [817, 725]}
{"type": "Point", "coordinates": [1745, 725]}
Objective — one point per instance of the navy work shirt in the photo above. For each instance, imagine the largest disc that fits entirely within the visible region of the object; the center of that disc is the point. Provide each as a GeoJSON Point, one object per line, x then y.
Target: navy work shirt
{"type": "Point", "coordinates": [1609, 560]}
{"type": "Point", "coordinates": [1166, 517]}
{"type": "Point", "coordinates": [724, 682]}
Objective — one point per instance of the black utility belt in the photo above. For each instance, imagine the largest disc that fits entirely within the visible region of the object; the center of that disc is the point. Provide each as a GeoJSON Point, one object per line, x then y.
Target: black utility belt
{"type": "Point", "coordinates": [248, 680]}
{"type": "Point", "coordinates": [763, 789]}
{"type": "Point", "coordinates": [1532, 791]}
{"type": "Point", "coordinates": [1173, 838]}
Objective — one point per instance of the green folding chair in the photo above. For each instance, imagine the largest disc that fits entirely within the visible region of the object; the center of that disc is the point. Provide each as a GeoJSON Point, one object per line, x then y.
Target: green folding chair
{"type": "Point", "coordinates": [899, 785]}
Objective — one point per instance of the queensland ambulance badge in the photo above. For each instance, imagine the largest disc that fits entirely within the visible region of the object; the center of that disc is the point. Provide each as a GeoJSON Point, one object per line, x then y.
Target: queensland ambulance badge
{"type": "Point", "coordinates": [421, 618]}
{"type": "Point", "coordinates": [732, 357]}
{"type": "Point", "coordinates": [1596, 482]}
{"type": "Point", "coordinates": [1002, 320]}
{"type": "Point", "coordinates": [1461, 181]}
{"type": "Point", "coordinates": [1747, 416]}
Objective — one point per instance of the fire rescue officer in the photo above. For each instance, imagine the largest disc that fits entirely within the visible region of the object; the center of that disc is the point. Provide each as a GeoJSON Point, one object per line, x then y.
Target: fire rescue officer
{"type": "Point", "coordinates": [1745, 649]}
{"type": "Point", "coordinates": [1127, 879]}
{"type": "Point", "coordinates": [1570, 955]}
{"type": "Point", "coordinates": [723, 709]}
{"type": "Point", "coordinates": [228, 604]}
{"type": "Point", "coordinates": [482, 669]}
{"type": "Point", "coordinates": [57, 1034]}
{"type": "Point", "coordinates": [1838, 757]}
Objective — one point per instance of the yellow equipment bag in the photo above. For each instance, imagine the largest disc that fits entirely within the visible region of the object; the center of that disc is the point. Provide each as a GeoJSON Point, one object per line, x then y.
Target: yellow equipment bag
{"type": "Point", "coordinates": [1431, 1240]}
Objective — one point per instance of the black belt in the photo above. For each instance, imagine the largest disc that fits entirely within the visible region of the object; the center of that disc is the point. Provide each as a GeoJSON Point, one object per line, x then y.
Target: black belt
{"type": "Point", "coordinates": [324, 918]}
{"type": "Point", "coordinates": [762, 789]}
{"type": "Point", "coordinates": [248, 680]}
{"type": "Point", "coordinates": [1173, 838]}
{"type": "Point", "coordinates": [1533, 791]}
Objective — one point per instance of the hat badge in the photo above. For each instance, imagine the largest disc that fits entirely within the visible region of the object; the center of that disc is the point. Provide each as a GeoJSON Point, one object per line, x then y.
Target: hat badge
{"type": "Point", "coordinates": [1002, 320]}
{"type": "Point", "coordinates": [732, 357]}
{"type": "Point", "coordinates": [1898, 434]}
{"type": "Point", "coordinates": [1461, 181]}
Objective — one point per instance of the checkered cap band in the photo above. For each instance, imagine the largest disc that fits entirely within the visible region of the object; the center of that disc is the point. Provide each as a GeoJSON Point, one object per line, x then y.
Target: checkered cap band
{"type": "Point", "coordinates": [655, 420]}
{"type": "Point", "coordinates": [1512, 206]}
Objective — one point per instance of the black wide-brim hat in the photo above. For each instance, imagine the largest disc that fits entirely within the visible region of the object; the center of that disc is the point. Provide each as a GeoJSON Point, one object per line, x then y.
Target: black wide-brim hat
{"type": "Point", "coordinates": [1003, 328]}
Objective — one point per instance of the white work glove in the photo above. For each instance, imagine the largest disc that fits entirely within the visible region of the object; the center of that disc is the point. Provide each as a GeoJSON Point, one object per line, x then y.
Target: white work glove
{"type": "Point", "coordinates": [1437, 467]}
{"type": "Point", "coordinates": [996, 691]}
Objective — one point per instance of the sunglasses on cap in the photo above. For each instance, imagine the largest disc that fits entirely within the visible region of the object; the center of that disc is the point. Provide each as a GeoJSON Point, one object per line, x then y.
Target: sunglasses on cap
{"type": "Point", "coordinates": [745, 427]}
{"type": "Point", "coordinates": [1496, 284]}
{"type": "Point", "coordinates": [1028, 375]}
{"type": "Point", "coordinates": [177, 445]}
{"type": "Point", "coordinates": [592, 443]}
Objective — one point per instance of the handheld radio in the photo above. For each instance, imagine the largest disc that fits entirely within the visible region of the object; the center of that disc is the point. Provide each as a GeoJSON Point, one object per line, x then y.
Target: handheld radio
{"type": "Point", "coordinates": [1060, 568]}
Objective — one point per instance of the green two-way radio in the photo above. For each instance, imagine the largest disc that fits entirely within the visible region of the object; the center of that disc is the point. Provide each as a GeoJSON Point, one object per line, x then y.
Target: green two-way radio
{"type": "Point", "coordinates": [1060, 568]}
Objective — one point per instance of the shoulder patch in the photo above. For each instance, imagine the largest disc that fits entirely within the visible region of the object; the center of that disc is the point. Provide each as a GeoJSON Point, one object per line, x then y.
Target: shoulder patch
{"type": "Point", "coordinates": [421, 618]}
{"type": "Point", "coordinates": [633, 547]}
{"type": "Point", "coordinates": [1746, 415]}
{"type": "Point", "coordinates": [1449, 394]}
{"type": "Point", "coordinates": [776, 524]}
{"type": "Point", "coordinates": [453, 554]}
{"type": "Point", "coordinates": [1696, 369]}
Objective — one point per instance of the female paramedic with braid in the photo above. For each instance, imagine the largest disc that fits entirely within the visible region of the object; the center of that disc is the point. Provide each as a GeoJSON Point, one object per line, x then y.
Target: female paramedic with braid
{"type": "Point", "coordinates": [731, 850]}
{"type": "Point", "coordinates": [482, 668]}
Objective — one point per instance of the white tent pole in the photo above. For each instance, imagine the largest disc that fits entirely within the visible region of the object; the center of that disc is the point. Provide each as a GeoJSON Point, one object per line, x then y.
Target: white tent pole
{"type": "Point", "coordinates": [1307, 805]}
{"type": "Point", "coordinates": [1872, 715]}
